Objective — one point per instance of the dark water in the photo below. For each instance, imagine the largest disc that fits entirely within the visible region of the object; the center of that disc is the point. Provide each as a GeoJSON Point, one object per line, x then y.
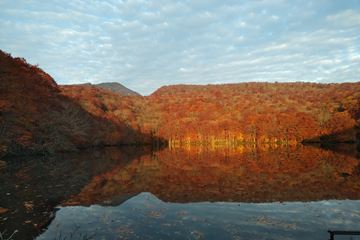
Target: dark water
{"type": "Point", "coordinates": [193, 193]}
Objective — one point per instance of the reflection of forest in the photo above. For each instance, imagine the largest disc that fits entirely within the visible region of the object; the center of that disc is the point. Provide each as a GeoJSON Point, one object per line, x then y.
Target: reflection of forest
{"type": "Point", "coordinates": [34, 186]}
{"type": "Point", "coordinates": [31, 187]}
{"type": "Point", "coordinates": [263, 174]}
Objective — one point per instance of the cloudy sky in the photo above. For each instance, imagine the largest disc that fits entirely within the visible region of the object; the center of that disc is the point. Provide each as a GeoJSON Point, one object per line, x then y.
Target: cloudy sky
{"type": "Point", "coordinates": [145, 44]}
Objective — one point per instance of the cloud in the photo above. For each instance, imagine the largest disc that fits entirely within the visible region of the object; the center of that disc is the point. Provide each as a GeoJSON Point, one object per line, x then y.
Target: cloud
{"type": "Point", "coordinates": [347, 18]}
{"type": "Point", "coordinates": [145, 44]}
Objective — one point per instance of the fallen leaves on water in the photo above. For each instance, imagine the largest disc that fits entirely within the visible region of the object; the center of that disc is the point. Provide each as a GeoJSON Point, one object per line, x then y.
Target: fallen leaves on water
{"type": "Point", "coordinates": [264, 220]}
{"type": "Point", "coordinates": [125, 232]}
{"type": "Point", "coordinates": [2, 164]}
{"type": "Point", "coordinates": [154, 214]}
{"type": "Point", "coordinates": [197, 235]}
{"type": "Point", "coordinates": [3, 210]}
{"type": "Point", "coordinates": [29, 205]}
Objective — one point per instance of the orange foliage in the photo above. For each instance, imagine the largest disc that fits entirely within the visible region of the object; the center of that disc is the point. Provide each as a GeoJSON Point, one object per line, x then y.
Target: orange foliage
{"type": "Point", "coordinates": [37, 115]}
{"type": "Point", "coordinates": [253, 175]}
{"type": "Point", "coordinates": [285, 113]}
{"type": "Point", "coordinates": [257, 112]}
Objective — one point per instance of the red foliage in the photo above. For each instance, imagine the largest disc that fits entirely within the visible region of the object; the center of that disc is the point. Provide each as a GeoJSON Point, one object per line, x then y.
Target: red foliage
{"type": "Point", "coordinates": [38, 115]}
{"type": "Point", "coordinates": [232, 113]}
{"type": "Point", "coordinates": [257, 112]}
{"type": "Point", "coordinates": [243, 174]}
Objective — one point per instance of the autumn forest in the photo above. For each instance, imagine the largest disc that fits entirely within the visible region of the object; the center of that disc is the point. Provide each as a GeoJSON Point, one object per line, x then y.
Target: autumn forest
{"type": "Point", "coordinates": [38, 116]}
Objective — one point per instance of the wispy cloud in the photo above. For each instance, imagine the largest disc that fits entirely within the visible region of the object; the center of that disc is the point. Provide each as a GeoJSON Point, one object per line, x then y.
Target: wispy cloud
{"type": "Point", "coordinates": [145, 44]}
{"type": "Point", "coordinates": [347, 18]}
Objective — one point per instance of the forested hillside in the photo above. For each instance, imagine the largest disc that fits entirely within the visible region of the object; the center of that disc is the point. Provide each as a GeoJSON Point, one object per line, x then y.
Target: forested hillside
{"type": "Point", "coordinates": [230, 114]}
{"type": "Point", "coordinates": [35, 116]}
{"type": "Point", "coordinates": [258, 112]}
{"type": "Point", "coordinates": [38, 116]}
{"type": "Point", "coordinates": [130, 112]}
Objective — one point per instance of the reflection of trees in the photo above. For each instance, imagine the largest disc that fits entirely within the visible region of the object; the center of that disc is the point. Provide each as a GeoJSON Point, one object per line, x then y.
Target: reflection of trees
{"type": "Point", "coordinates": [36, 185]}
{"type": "Point", "coordinates": [255, 175]}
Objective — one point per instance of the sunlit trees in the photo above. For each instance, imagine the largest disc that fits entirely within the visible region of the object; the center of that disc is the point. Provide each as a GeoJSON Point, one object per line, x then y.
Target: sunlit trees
{"type": "Point", "coordinates": [37, 115]}
{"type": "Point", "coordinates": [285, 113]}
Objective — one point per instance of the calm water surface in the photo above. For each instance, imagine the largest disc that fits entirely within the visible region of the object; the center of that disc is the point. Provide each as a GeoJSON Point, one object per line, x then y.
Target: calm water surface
{"type": "Point", "coordinates": [193, 193]}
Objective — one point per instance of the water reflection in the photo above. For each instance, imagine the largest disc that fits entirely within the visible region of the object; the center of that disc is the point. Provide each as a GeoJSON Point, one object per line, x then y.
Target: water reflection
{"type": "Point", "coordinates": [147, 217]}
{"type": "Point", "coordinates": [31, 187]}
{"type": "Point", "coordinates": [255, 175]}
{"type": "Point", "coordinates": [98, 180]}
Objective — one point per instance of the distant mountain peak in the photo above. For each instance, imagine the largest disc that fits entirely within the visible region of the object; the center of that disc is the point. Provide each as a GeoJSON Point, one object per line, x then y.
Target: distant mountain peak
{"type": "Point", "coordinates": [117, 88]}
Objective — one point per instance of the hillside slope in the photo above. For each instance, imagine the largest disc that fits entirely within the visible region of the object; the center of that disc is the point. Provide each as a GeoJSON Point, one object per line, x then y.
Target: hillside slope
{"type": "Point", "coordinates": [35, 117]}
{"type": "Point", "coordinates": [131, 113]}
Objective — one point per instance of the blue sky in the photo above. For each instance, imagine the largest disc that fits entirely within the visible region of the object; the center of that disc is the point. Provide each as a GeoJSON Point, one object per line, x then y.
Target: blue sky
{"type": "Point", "coordinates": [147, 44]}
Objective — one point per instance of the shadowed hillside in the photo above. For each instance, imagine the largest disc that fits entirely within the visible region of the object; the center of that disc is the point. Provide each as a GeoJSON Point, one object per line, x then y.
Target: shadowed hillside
{"type": "Point", "coordinates": [35, 117]}
{"type": "Point", "coordinates": [133, 111]}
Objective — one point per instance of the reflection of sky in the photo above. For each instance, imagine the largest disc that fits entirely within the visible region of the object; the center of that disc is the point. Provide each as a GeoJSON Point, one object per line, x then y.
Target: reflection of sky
{"type": "Point", "coordinates": [145, 44]}
{"type": "Point", "coordinates": [146, 217]}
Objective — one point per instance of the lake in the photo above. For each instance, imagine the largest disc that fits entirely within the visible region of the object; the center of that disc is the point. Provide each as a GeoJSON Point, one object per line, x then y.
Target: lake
{"type": "Point", "coordinates": [242, 192]}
